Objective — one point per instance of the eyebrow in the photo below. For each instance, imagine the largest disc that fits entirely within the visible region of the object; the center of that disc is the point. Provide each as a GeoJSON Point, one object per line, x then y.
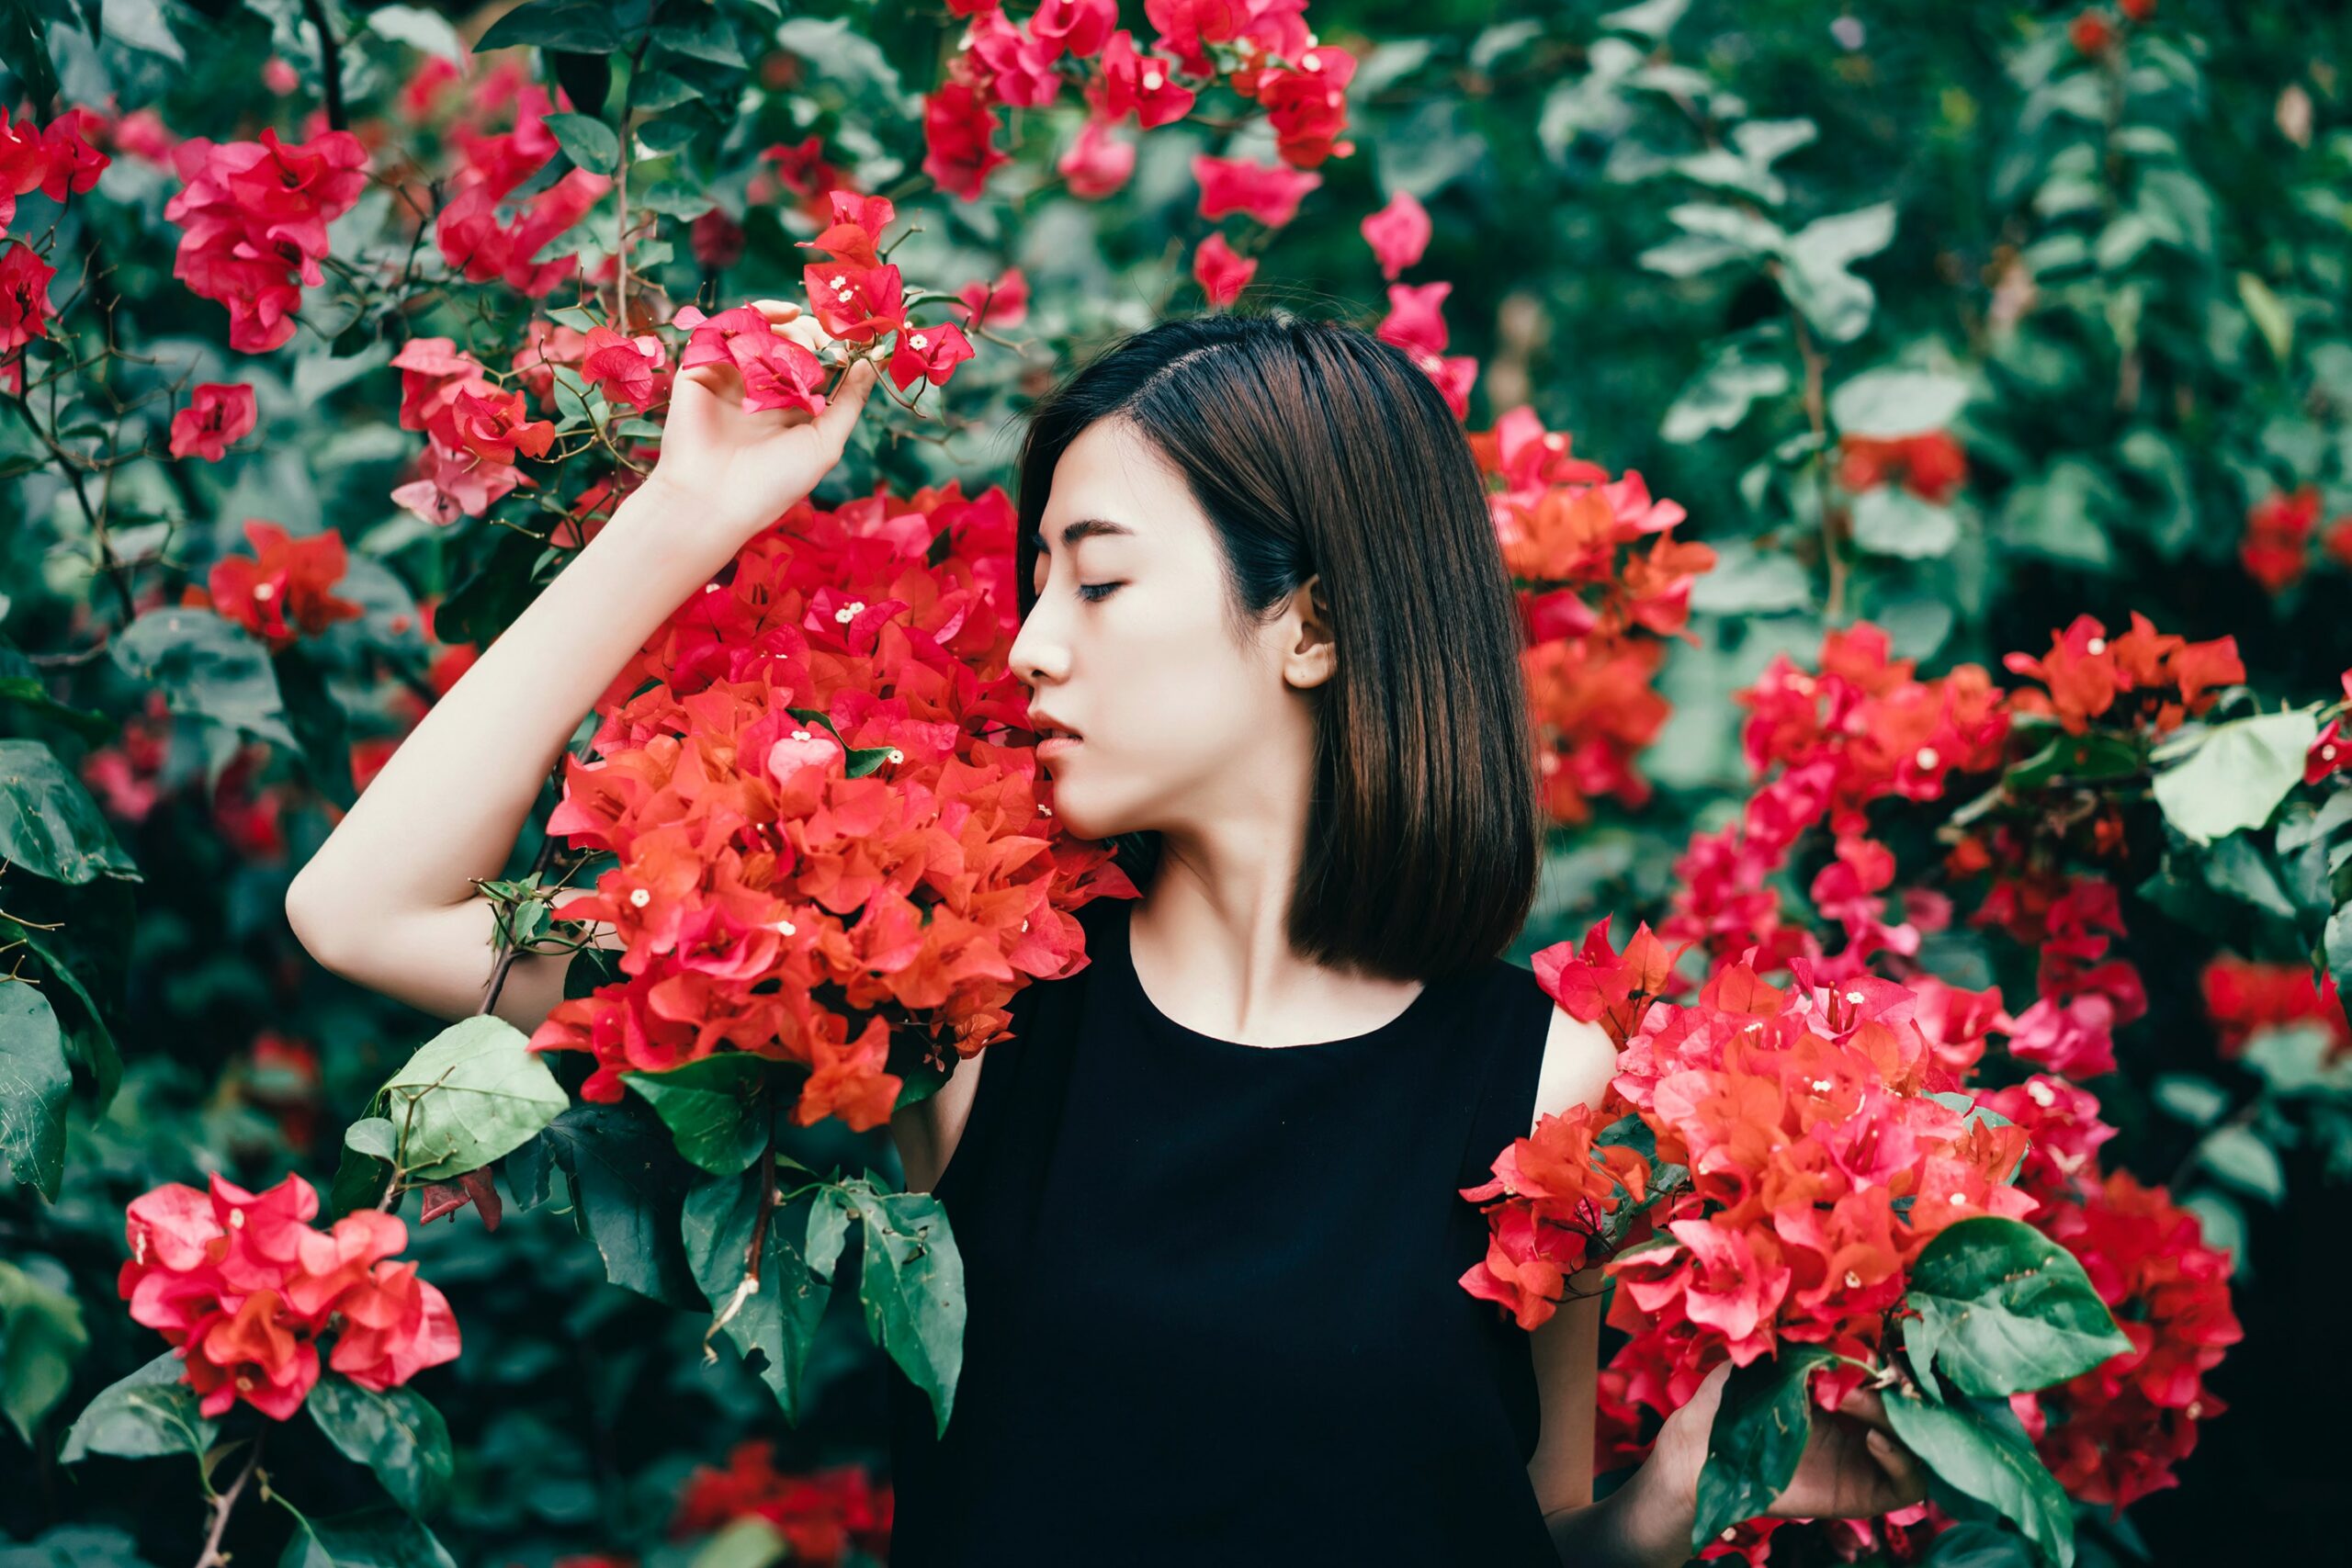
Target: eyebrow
{"type": "Point", "coordinates": [1084, 528]}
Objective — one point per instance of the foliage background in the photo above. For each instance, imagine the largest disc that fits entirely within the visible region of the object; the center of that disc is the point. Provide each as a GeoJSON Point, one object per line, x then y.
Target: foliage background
{"type": "Point", "coordinates": [2139, 276]}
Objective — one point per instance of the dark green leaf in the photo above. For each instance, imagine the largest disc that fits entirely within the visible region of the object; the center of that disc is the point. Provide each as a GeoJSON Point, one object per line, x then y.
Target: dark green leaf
{"type": "Point", "coordinates": [473, 1092]}
{"type": "Point", "coordinates": [1760, 1433]}
{"type": "Point", "coordinates": [628, 1186]}
{"type": "Point", "coordinates": [396, 1433]}
{"type": "Point", "coordinates": [318, 722]}
{"type": "Point", "coordinates": [1979, 1452]}
{"type": "Point", "coordinates": [34, 1085]}
{"type": "Point", "coordinates": [2236, 776]}
{"type": "Point", "coordinates": [778, 1319]}
{"type": "Point", "coordinates": [2078, 758]}
{"type": "Point", "coordinates": [372, 1538]}
{"type": "Point", "coordinates": [150, 1412]}
{"type": "Point", "coordinates": [588, 141]}
{"type": "Point", "coordinates": [42, 1338]}
{"type": "Point", "coordinates": [717, 1108]}
{"type": "Point", "coordinates": [582, 26]}
{"type": "Point", "coordinates": [2008, 1309]}
{"type": "Point", "coordinates": [48, 824]}
{"type": "Point", "coordinates": [913, 1286]}
{"type": "Point", "coordinates": [205, 667]}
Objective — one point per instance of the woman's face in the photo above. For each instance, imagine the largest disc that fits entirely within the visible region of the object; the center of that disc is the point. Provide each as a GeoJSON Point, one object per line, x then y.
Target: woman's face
{"type": "Point", "coordinates": [1180, 727]}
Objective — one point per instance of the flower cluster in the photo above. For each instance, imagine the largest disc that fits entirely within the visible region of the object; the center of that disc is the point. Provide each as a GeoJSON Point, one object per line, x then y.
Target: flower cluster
{"type": "Point", "coordinates": [2084, 674]}
{"type": "Point", "coordinates": [822, 1514]}
{"type": "Point", "coordinates": [473, 429]}
{"type": "Point", "coordinates": [254, 217]}
{"type": "Point", "coordinates": [2244, 999]}
{"type": "Point", "coordinates": [56, 160]}
{"type": "Point", "coordinates": [2114, 1433]}
{"type": "Point", "coordinates": [242, 1284]}
{"type": "Point", "coordinates": [1930, 465]}
{"type": "Point", "coordinates": [1600, 579]}
{"type": "Point", "coordinates": [218, 415]}
{"type": "Point", "coordinates": [857, 297]}
{"type": "Point", "coordinates": [819, 846]}
{"type": "Point", "coordinates": [472, 240]}
{"type": "Point", "coordinates": [284, 591]}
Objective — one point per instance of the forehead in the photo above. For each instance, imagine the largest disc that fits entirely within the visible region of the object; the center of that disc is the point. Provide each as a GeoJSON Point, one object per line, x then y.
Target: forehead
{"type": "Point", "coordinates": [1113, 472]}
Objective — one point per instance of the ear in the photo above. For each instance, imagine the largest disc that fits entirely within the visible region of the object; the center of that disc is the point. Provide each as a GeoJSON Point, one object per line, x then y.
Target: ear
{"type": "Point", "coordinates": [1312, 655]}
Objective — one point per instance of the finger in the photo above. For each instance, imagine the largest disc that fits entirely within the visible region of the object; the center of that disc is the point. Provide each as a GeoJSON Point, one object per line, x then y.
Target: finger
{"type": "Point", "coordinates": [783, 307]}
{"type": "Point", "coordinates": [841, 408]}
{"type": "Point", "coordinates": [1906, 1475]}
{"type": "Point", "coordinates": [1866, 1404]}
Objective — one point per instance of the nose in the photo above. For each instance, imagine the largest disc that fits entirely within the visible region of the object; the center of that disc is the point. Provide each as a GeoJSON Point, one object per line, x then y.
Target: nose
{"type": "Point", "coordinates": [1039, 654]}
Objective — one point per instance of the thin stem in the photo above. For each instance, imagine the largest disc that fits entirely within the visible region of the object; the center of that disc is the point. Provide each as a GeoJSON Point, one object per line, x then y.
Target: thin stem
{"type": "Point", "coordinates": [213, 1556]}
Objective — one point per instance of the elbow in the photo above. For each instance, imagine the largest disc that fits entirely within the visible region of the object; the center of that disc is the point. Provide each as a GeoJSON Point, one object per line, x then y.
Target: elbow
{"type": "Point", "coordinates": [316, 923]}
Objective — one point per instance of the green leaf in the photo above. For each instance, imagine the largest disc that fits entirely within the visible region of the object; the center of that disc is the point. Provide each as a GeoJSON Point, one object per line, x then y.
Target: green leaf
{"type": "Point", "coordinates": [427, 32]}
{"type": "Point", "coordinates": [1979, 1452]}
{"type": "Point", "coordinates": [2196, 1101]}
{"type": "Point", "coordinates": [1749, 581]}
{"type": "Point", "coordinates": [1749, 232]}
{"type": "Point", "coordinates": [748, 1542]}
{"type": "Point", "coordinates": [375, 1136]}
{"type": "Point", "coordinates": [1887, 403]}
{"type": "Point", "coordinates": [579, 26]}
{"type": "Point", "coordinates": [1816, 280]}
{"type": "Point", "coordinates": [1890, 520]}
{"type": "Point", "coordinates": [318, 721]}
{"type": "Point", "coordinates": [587, 141]}
{"type": "Point", "coordinates": [48, 824]}
{"type": "Point", "coordinates": [2006, 1309]}
{"type": "Point", "coordinates": [150, 1412]}
{"type": "Point", "coordinates": [778, 1320]}
{"type": "Point", "coordinates": [371, 1537]}
{"type": "Point", "coordinates": [205, 667]}
{"type": "Point", "coordinates": [913, 1286]}
{"type": "Point", "coordinates": [2077, 759]}
{"type": "Point", "coordinates": [396, 1433]}
{"type": "Point", "coordinates": [34, 1085]}
{"type": "Point", "coordinates": [42, 1338]}
{"type": "Point", "coordinates": [2269, 313]}
{"type": "Point", "coordinates": [717, 1108]}
{"type": "Point", "coordinates": [1760, 1433]}
{"type": "Point", "coordinates": [627, 1187]}
{"type": "Point", "coordinates": [1720, 395]}
{"type": "Point", "coordinates": [2237, 1155]}
{"type": "Point", "coordinates": [2236, 776]}
{"type": "Point", "coordinates": [471, 1094]}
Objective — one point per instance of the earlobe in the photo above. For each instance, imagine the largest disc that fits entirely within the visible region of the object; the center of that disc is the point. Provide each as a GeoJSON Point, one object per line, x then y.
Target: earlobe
{"type": "Point", "coordinates": [1314, 655]}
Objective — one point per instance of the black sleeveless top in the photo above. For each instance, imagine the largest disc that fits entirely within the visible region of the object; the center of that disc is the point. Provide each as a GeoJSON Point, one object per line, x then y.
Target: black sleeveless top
{"type": "Point", "coordinates": [1214, 1311]}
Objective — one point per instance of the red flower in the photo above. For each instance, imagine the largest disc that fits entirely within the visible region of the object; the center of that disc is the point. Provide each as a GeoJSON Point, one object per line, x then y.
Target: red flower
{"type": "Point", "coordinates": [853, 302]}
{"type": "Point", "coordinates": [1003, 304]}
{"type": "Point", "coordinates": [778, 372]}
{"type": "Point", "coordinates": [1221, 273]}
{"type": "Point", "coordinates": [1308, 106]}
{"type": "Point", "coordinates": [282, 592]}
{"type": "Point", "coordinates": [1140, 84]}
{"type": "Point", "coordinates": [624, 367]}
{"type": "Point", "coordinates": [1931, 464]}
{"type": "Point", "coordinates": [2277, 545]}
{"type": "Point", "coordinates": [1270, 193]}
{"type": "Point", "coordinates": [496, 426]}
{"type": "Point", "coordinates": [24, 296]}
{"type": "Point", "coordinates": [2090, 32]}
{"type": "Point", "coordinates": [466, 229]}
{"type": "Point", "coordinates": [1081, 27]}
{"type": "Point", "coordinates": [1096, 163]}
{"type": "Point", "coordinates": [1398, 233]}
{"type": "Point", "coordinates": [957, 126]}
{"type": "Point", "coordinates": [218, 415]}
{"type": "Point", "coordinates": [927, 353]}
{"type": "Point", "coordinates": [254, 217]}
{"type": "Point", "coordinates": [244, 1287]}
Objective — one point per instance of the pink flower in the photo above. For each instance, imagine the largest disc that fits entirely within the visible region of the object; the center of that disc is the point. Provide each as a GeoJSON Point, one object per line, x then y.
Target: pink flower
{"type": "Point", "coordinates": [219, 414]}
{"type": "Point", "coordinates": [1270, 193]}
{"type": "Point", "coordinates": [1081, 27]}
{"type": "Point", "coordinates": [1221, 273]}
{"type": "Point", "coordinates": [928, 352]}
{"type": "Point", "coordinates": [1398, 233]}
{"type": "Point", "coordinates": [1005, 303]}
{"type": "Point", "coordinates": [1096, 163]}
{"type": "Point", "coordinates": [623, 367]}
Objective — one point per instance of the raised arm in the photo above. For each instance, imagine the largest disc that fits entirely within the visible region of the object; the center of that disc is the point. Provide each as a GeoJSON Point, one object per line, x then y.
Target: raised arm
{"type": "Point", "coordinates": [388, 900]}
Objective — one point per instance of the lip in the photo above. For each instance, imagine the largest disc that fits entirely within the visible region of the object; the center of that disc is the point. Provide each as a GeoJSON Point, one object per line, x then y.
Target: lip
{"type": "Point", "coordinates": [1057, 744]}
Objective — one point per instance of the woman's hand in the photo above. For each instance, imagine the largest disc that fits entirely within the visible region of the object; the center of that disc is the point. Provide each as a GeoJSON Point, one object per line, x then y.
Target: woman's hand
{"type": "Point", "coordinates": [734, 473]}
{"type": "Point", "coordinates": [1854, 1467]}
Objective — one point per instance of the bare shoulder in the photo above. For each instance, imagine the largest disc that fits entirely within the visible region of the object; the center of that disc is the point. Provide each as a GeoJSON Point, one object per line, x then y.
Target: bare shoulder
{"type": "Point", "coordinates": [1578, 1061]}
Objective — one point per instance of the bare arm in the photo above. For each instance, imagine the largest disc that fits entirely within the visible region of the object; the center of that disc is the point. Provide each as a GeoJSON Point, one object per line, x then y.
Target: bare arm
{"type": "Point", "coordinates": [388, 900]}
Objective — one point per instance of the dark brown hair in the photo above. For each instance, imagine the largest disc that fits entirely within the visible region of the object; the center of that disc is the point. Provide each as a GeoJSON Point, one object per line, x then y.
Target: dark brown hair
{"type": "Point", "coordinates": [1313, 446]}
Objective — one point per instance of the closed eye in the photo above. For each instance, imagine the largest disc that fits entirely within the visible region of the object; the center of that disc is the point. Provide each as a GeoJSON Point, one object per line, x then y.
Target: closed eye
{"type": "Point", "coordinates": [1095, 593]}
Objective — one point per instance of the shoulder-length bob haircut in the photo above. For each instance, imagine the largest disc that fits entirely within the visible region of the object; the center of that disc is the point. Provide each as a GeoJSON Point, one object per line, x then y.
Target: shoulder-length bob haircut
{"type": "Point", "coordinates": [1316, 448]}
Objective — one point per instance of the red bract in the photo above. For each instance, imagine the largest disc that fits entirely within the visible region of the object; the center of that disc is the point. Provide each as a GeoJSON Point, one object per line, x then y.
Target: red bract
{"type": "Point", "coordinates": [281, 592]}
{"type": "Point", "coordinates": [24, 301]}
{"type": "Point", "coordinates": [497, 426]}
{"type": "Point", "coordinates": [808, 888]}
{"type": "Point", "coordinates": [467, 230]}
{"type": "Point", "coordinates": [623, 367]}
{"type": "Point", "coordinates": [957, 126]}
{"type": "Point", "coordinates": [1398, 233]}
{"type": "Point", "coordinates": [1931, 466]}
{"type": "Point", "coordinates": [1269, 193]}
{"type": "Point", "coordinates": [777, 371]}
{"type": "Point", "coordinates": [219, 414]}
{"type": "Point", "coordinates": [2173, 678]}
{"type": "Point", "coordinates": [242, 1285]}
{"type": "Point", "coordinates": [2114, 1434]}
{"type": "Point", "coordinates": [1097, 164]}
{"type": "Point", "coordinates": [1308, 107]}
{"type": "Point", "coordinates": [2244, 999]}
{"type": "Point", "coordinates": [1003, 304]}
{"type": "Point", "coordinates": [2277, 546]}
{"type": "Point", "coordinates": [820, 1515]}
{"type": "Point", "coordinates": [1221, 273]}
{"type": "Point", "coordinates": [56, 161]}
{"type": "Point", "coordinates": [254, 217]}
{"type": "Point", "coordinates": [1138, 84]}
{"type": "Point", "coordinates": [928, 354]}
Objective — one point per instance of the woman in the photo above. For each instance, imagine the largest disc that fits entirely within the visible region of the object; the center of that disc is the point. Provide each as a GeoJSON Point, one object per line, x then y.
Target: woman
{"type": "Point", "coordinates": [1206, 1195]}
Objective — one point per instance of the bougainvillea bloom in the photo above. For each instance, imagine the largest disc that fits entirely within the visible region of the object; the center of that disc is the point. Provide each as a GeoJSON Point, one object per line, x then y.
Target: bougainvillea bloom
{"type": "Point", "coordinates": [254, 217]}
{"type": "Point", "coordinates": [218, 415]}
{"type": "Point", "coordinates": [24, 296]}
{"type": "Point", "coordinates": [1269, 193]}
{"type": "Point", "coordinates": [778, 372]}
{"type": "Point", "coordinates": [1221, 273]}
{"type": "Point", "coordinates": [822, 1514]}
{"type": "Point", "coordinates": [928, 354]}
{"type": "Point", "coordinates": [2276, 544]}
{"type": "Point", "coordinates": [245, 1289]}
{"type": "Point", "coordinates": [282, 592]}
{"type": "Point", "coordinates": [1003, 304]}
{"type": "Point", "coordinates": [1398, 233]}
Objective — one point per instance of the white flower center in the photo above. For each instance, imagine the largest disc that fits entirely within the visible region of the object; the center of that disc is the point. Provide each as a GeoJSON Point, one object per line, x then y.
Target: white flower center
{"type": "Point", "coordinates": [265, 590]}
{"type": "Point", "coordinates": [236, 1219]}
{"type": "Point", "coordinates": [919, 341]}
{"type": "Point", "coordinates": [638, 897]}
{"type": "Point", "coordinates": [2040, 1094]}
{"type": "Point", "coordinates": [897, 755]}
{"type": "Point", "coordinates": [786, 927]}
{"type": "Point", "coordinates": [2097, 645]}
{"type": "Point", "coordinates": [841, 280]}
{"type": "Point", "coordinates": [1823, 1085]}
{"type": "Point", "coordinates": [1153, 81]}
{"type": "Point", "coordinates": [1855, 998]}
{"type": "Point", "coordinates": [1927, 759]}
{"type": "Point", "coordinates": [1853, 1281]}
{"type": "Point", "coordinates": [801, 735]}
{"type": "Point", "coordinates": [1957, 1199]}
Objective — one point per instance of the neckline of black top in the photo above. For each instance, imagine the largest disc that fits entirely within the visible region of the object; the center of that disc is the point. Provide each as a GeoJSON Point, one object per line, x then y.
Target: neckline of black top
{"type": "Point", "coordinates": [1130, 985]}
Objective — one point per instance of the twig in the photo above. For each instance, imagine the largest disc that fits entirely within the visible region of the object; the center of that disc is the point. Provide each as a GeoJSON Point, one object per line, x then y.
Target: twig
{"type": "Point", "coordinates": [213, 1556]}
